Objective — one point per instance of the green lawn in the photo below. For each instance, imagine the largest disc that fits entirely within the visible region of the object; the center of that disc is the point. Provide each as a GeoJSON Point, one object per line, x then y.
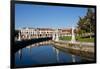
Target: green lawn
{"type": "Point", "coordinates": [84, 39]}
{"type": "Point", "coordinates": [78, 38]}
{"type": "Point", "coordinates": [65, 38]}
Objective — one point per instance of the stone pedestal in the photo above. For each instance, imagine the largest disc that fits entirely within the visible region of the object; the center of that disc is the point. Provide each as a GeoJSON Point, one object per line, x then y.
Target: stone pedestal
{"type": "Point", "coordinates": [73, 35]}
{"type": "Point", "coordinates": [19, 36]}
{"type": "Point", "coordinates": [57, 36]}
{"type": "Point", "coordinates": [53, 36]}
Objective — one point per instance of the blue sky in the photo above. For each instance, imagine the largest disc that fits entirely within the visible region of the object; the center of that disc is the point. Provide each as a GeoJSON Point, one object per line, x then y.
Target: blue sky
{"type": "Point", "coordinates": [41, 16]}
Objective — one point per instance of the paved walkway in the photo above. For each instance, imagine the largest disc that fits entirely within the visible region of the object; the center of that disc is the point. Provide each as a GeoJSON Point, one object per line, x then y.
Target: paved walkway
{"type": "Point", "coordinates": [76, 42]}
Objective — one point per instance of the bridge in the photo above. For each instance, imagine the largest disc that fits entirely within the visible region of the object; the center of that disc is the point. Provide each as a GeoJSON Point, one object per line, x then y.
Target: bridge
{"type": "Point", "coordinates": [23, 43]}
{"type": "Point", "coordinates": [28, 39]}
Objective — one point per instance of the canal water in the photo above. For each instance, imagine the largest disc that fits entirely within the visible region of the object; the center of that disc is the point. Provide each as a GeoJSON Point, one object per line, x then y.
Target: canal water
{"type": "Point", "coordinates": [46, 54]}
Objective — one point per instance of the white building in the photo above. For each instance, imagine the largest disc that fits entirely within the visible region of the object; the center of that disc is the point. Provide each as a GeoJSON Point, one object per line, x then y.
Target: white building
{"type": "Point", "coordinates": [29, 33]}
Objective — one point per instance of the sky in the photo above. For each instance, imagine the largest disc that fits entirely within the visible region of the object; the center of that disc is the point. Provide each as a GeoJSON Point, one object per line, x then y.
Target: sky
{"type": "Point", "coordinates": [43, 16]}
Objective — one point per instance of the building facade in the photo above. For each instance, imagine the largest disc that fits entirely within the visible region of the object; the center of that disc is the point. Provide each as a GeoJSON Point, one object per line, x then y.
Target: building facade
{"type": "Point", "coordinates": [29, 33]}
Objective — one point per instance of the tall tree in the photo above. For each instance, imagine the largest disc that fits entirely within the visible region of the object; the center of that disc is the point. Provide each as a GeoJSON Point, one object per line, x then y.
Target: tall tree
{"type": "Point", "coordinates": [87, 23]}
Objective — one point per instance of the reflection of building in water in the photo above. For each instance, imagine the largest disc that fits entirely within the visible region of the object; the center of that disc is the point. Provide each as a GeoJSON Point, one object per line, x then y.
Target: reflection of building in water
{"type": "Point", "coordinates": [28, 33]}
{"type": "Point", "coordinates": [73, 58]}
{"type": "Point", "coordinates": [30, 48]}
{"type": "Point", "coordinates": [20, 52]}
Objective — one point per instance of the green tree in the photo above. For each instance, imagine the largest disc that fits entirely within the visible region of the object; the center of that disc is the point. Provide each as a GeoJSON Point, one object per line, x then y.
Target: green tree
{"type": "Point", "coordinates": [87, 23]}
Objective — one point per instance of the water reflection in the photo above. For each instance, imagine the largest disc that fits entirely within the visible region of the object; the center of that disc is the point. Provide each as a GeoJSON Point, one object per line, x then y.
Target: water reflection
{"type": "Point", "coordinates": [57, 54]}
{"type": "Point", "coordinates": [73, 58]}
{"type": "Point", "coordinates": [20, 54]}
{"type": "Point", "coordinates": [46, 54]}
{"type": "Point", "coordinates": [56, 51]}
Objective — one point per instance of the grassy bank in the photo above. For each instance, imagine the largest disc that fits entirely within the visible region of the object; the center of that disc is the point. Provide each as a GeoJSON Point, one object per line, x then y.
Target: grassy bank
{"type": "Point", "coordinates": [65, 38]}
{"type": "Point", "coordinates": [83, 39]}
{"type": "Point", "coordinates": [78, 38]}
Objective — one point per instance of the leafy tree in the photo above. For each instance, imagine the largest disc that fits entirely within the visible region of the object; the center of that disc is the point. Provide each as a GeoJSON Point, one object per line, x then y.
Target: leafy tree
{"type": "Point", "coordinates": [87, 23]}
